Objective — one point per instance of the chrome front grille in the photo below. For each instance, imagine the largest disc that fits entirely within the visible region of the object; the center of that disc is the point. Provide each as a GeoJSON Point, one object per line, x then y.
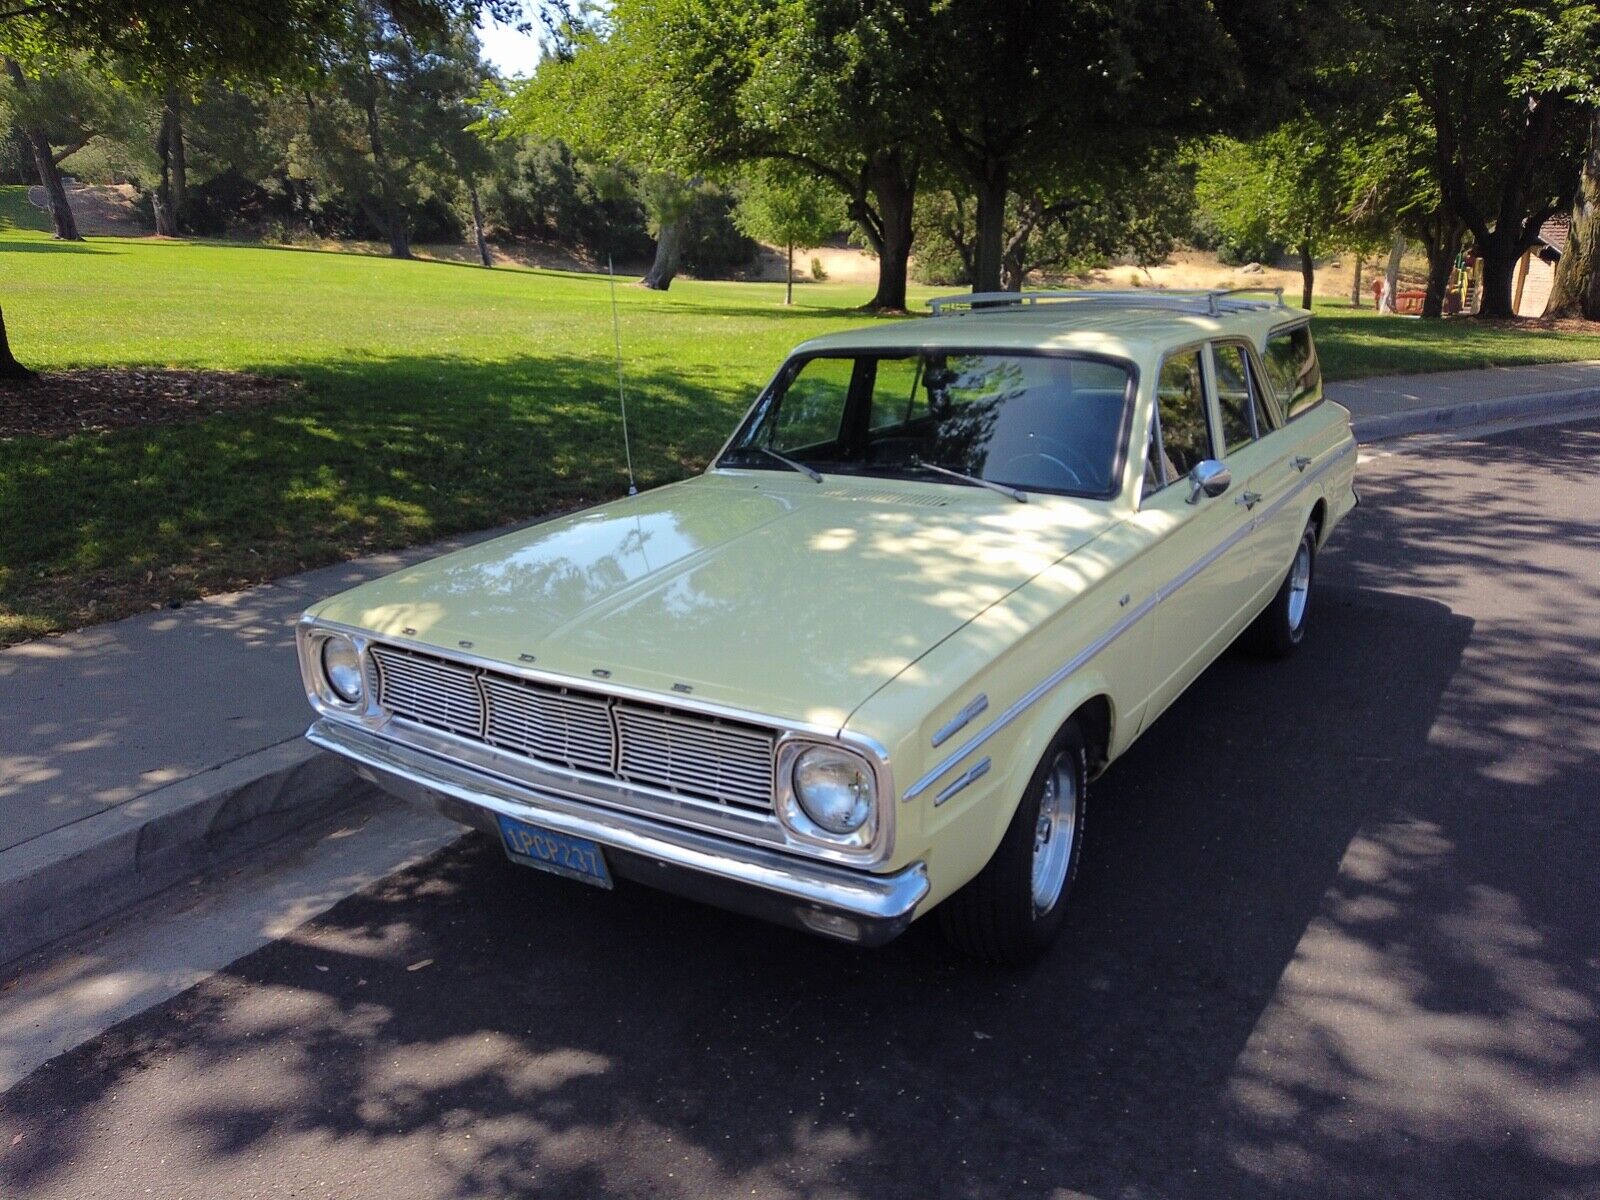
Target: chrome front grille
{"type": "Point", "coordinates": [429, 691]}
{"type": "Point", "coordinates": [682, 752]}
{"type": "Point", "coordinates": [667, 748]}
{"type": "Point", "coordinates": [555, 725]}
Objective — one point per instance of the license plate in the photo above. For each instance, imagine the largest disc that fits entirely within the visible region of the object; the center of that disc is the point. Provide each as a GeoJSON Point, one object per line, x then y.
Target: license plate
{"type": "Point", "coordinates": [558, 853]}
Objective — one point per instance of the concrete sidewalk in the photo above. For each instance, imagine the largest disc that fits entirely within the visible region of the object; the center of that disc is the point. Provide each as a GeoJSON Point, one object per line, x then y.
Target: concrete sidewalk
{"type": "Point", "coordinates": [137, 753]}
{"type": "Point", "coordinates": [140, 752]}
{"type": "Point", "coordinates": [1396, 405]}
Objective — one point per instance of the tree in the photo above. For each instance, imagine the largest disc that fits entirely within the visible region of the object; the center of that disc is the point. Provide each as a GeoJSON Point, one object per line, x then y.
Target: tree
{"type": "Point", "coordinates": [692, 87]}
{"type": "Point", "coordinates": [1500, 93]}
{"type": "Point", "coordinates": [1576, 292]}
{"type": "Point", "coordinates": [1136, 209]}
{"type": "Point", "coordinates": [598, 94]}
{"type": "Point", "coordinates": [782, 205]}
{"type": "Point", "coordinates": [1393, 186]}
{"type": "Point", "coordinates": [158, 41]}
{"type": "Point", "coordinates": [1064, 90]}
{"type": "Point", "coordinates": [1287, 186]}
{"type": "Point", "coordinates": [1574, 52]}
{"type": "Point", "coordinates": [60, 105]}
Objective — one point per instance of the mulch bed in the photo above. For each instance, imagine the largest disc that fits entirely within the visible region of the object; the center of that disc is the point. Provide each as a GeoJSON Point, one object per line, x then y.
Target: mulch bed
{"type": "Point", "coordinates": [62, 403]}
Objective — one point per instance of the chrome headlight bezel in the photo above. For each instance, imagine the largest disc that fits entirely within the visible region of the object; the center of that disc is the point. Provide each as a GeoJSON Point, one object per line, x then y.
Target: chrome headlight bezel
{"type": "Point", "coordinates": [324, 696]}
{"type": "Point", "coordinates": [793, 813]}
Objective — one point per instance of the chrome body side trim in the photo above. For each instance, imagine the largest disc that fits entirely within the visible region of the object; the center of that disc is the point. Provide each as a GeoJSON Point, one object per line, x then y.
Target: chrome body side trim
{"type": "Point", "coordinates": [849, 904]}
{"type": "Point", "coordinates": [971, 712]}
{"type": "Point", "coordinates": [970, 776]}
{"type": "Point", "coordinates": [1059, 676]}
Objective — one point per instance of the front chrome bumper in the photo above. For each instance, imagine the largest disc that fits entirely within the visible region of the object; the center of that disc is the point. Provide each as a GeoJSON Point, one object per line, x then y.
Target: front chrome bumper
{"type": "Point", "coordinates": [853, 906]}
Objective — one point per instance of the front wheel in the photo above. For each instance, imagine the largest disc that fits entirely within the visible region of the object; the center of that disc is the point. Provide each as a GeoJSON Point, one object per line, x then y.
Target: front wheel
{"type": "Point", "coordinates": [1281, 627]}
{"type": "Point", "coordinates": [1014, 908]}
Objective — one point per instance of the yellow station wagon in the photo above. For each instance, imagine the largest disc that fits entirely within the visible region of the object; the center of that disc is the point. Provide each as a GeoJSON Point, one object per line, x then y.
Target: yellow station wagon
{"type": "Point", "coordinates": [865, 667]}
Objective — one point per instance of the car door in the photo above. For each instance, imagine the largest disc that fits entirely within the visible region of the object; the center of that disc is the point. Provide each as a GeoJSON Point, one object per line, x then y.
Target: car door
{"type": "Point", "coordinates": [1255, 454]}
{"type": "Point", "coordinates": [1201, 583]}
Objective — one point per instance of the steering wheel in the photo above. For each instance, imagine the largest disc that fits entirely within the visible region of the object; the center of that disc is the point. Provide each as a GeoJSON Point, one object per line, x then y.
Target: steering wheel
{"type": "Point", "coordinates": [1056, 455]}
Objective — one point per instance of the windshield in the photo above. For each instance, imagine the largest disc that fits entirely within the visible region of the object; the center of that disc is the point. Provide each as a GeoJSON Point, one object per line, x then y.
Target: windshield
{"type": "Point", "coordinates": [1041, 423]}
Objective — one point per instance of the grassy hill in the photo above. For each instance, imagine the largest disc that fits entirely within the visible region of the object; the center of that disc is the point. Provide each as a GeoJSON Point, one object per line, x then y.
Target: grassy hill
{"type": "Point", "coordinates": [436, 398]}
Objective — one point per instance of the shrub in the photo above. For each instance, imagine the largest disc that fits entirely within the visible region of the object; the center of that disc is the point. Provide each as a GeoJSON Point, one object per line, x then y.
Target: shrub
{"type": "Point", "coordinates": [819, 273]}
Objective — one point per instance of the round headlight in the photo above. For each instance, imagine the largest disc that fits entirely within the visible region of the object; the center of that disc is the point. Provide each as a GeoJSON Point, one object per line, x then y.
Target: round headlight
{"type": "Point", "coordinates": [341, 667]}
{"type": "Point", "coordinates": [834, 789]}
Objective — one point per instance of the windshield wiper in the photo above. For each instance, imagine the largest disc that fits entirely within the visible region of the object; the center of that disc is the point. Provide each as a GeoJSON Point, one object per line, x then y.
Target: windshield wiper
{"type": "Point", "coordinates": [1016, 494]}
{"type": "Point", "coordinates": [808, 472]}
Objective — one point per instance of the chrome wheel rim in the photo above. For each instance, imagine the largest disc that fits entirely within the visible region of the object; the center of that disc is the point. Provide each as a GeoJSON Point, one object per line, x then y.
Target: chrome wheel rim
{"type": "Point", "coordinates": [1299, 586]}
{"type": "Point", "coordinates": [1054, 832]}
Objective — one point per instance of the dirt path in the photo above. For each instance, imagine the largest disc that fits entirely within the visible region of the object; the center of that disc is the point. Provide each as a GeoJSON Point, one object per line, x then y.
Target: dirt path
{"type": "Point", "coordinates": [102, 211]}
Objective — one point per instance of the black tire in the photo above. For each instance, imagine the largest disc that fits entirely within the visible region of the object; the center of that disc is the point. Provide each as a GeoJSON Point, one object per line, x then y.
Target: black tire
{"type": "Point", "coordinates": [1278, 631]}
{"type": "Point", "coordinates": [995, 917]}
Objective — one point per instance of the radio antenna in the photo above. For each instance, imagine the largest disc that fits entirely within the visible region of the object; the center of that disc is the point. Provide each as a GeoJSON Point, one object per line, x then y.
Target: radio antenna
{"type": "Point", "coordinates": [622, 400]}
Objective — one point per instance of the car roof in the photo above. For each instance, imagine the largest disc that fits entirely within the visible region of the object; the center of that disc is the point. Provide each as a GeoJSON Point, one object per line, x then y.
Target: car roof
{"type": "Point", "coordinates": [1139, 328]}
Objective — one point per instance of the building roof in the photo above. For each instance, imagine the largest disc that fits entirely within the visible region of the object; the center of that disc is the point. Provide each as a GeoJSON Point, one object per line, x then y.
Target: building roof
{"type": "Point", "coordinates": [1553, 233]}
{"type": "Point", "coordinates": [1140, 328]}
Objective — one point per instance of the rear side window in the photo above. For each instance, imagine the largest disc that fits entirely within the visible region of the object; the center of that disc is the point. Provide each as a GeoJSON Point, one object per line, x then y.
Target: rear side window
{"type": "Point", "coordinates": [1292, 367]}
{"type": "Point", "coordinates": [1244, 414]}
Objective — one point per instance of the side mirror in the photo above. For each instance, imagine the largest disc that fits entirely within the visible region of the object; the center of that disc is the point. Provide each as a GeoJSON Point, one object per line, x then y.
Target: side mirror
{"type": "Point", "coordinates": [1209, 478]}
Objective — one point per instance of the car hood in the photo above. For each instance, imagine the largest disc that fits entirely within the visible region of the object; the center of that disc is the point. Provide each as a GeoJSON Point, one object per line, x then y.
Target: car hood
{"type": "Point", "coordinates": [794, 600]}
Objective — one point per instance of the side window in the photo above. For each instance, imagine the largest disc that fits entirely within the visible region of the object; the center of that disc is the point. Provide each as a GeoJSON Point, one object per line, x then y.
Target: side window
{"type": "Point", "coordinates": [812, 408]}
{"type": "Point", "coordinates": [1292, 368]}
{"type": "Point", "coordinates": [1181, 397]}
{"type": "Point", "coordinates": [1239, 399]}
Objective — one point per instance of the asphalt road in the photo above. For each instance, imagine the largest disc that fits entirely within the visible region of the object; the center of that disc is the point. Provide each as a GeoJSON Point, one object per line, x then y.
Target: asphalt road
{"type": "Point", "coordinates": [1337, 934]}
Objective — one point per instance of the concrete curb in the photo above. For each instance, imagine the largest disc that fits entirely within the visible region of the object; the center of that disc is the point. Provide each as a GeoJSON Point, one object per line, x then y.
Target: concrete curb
{"type": "Point", "coordinates": [1472, 412]}
{"type": "Point", "coordinates": [67, 880]}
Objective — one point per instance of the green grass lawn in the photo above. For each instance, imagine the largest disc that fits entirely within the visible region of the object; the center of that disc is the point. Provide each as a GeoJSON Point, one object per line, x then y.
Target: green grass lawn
{"type": "Point", "coordinates": [436, 398]}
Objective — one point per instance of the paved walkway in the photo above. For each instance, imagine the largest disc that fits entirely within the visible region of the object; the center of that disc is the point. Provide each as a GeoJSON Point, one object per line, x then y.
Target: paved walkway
{"type": "Point", "coordinates": [1391, 395]}
{"type": "Point", "coordinates": [103, 724]}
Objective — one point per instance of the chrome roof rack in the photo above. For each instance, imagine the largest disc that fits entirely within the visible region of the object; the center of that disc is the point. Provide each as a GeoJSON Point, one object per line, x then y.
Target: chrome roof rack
{"type": "Point", "coordinates": [1212, 302]}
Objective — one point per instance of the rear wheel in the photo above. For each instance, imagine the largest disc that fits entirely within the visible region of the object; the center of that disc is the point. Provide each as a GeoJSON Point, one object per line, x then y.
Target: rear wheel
{"type": "Point", "coordinates": [1013, 910]}
{"type": "Point", "coordinates": [1281, 627]}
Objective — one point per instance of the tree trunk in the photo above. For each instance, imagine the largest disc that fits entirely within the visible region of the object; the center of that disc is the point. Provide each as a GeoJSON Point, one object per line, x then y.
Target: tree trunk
{"type": "Point", "coordinates": [1391, 276]}
{"type": "Point", "coordinates": [180, 160]}
{"type": "Point", "coordinates": [893, 184]}
{"type": "Point", "coordinates": [1500, 252]}
{"type": "Point", "coordinates": [1355, 285]}
{"type": "Point", "coordinates": [477, 225]}
{"type": "Point", "coordinates": [669, 248]}
{"type": "Point", "coordinates": [1577, 286]}
{"type": "Point", "coordinates": [10, 368]}
{"type": "Point", "coordinates": [65, 224]}
{"type": "Point", "coordinates": [1308, 275]}
{"type": "Point", "coordinates": [788, 273]}
{"type": "Point", "coordinates": [169, 153]}
{"type": "Point", "coordinates": [393, 219]}
{"type": "Point", "coordinates": [1441, 246]}
{"type": "Point", "coordinates": [992, 189]}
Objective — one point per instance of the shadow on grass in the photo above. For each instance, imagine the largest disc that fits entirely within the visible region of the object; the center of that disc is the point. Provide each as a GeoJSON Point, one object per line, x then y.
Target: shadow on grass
{"type": "Point", "coordinates": [1355, 344]}
{"type": "Point", "coordinates": [379, 453]}
{"type": "Point", "coordinates": [50, 246]}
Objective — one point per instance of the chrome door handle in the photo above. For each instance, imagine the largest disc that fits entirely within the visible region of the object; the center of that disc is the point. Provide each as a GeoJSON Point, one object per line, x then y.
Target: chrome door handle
{"type": "Point", "coordinates": [1300, 462]}
{"type": "Point", "coordinates": [1249, 499]}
